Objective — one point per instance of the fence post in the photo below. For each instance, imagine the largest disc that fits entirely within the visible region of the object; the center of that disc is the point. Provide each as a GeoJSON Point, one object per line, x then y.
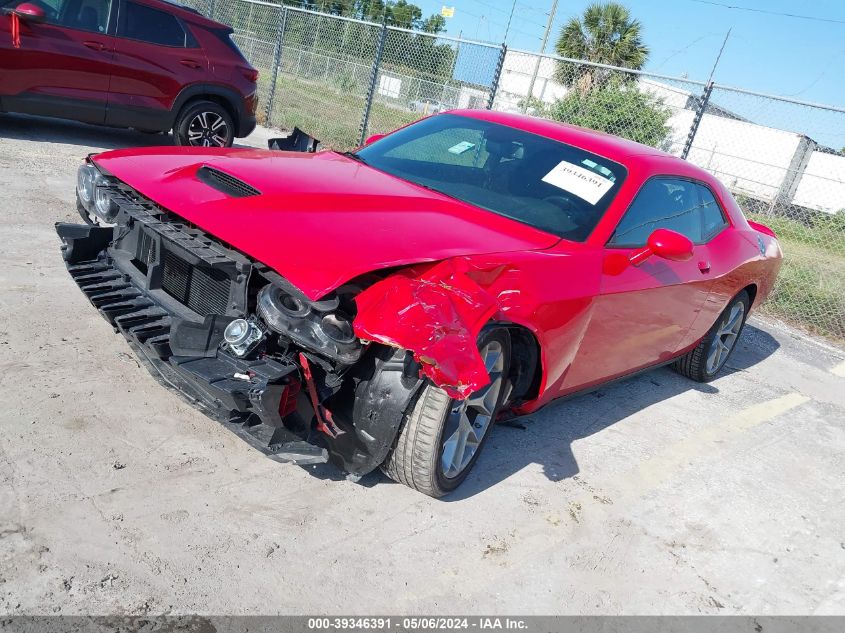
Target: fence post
{"type": "Point", "coordinates": [371, 90]}
{"type": "Point", "coordinates": [277, 63]}
{"type": "Point", "coordinates": [696, 120]}
{"type": "Point", "coordinates": [497, 75]}
{"type": "Point", "coordinates": [211, 9]}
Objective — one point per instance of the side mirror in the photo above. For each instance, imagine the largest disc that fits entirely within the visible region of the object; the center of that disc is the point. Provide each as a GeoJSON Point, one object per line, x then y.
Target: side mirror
{"type": "Point", "coordinates": [664, 243]}
{"type": "Point", "coordinates": [30, 12]}
{"type": "Point", "coordinates": [374, 138]}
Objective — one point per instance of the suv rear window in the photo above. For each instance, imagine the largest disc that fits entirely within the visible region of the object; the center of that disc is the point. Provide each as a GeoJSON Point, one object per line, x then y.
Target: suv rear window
{"type": "Point", "coordinates": [140, 22]}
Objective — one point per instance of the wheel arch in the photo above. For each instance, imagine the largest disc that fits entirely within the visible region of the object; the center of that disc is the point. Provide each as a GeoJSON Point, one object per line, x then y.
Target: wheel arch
{"type": "Point", "coordinates": [751, 290]}
{"type": "Point", "coordinates": [526, 364]}
{"type": "Point", "coordinates": [224, 97]}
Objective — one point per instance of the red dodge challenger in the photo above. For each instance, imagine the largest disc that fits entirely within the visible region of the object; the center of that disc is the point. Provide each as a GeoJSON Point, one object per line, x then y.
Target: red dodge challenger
{"type": "Point", "coordinates": [381, 308]}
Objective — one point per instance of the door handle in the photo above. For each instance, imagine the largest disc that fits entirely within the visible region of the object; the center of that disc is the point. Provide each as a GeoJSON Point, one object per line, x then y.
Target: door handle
{"type": "Point", "coordinates": [190, 63]}
{"type": "Point", "coordinates": [94, 46]}
{"type": "Point", "coordinates": [704, 267]}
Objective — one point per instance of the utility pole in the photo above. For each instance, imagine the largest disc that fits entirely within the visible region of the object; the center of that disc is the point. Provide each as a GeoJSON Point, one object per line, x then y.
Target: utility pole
{"type": "Point", "coordinates": [508, 27]}
{"type": "Point", "coordinates": [457, 52]}
{"type": "Point", "coordinates": [702, 102]}
{"type": "Point", "coordinates": [719, 56]}
{"type": "Point", "coordinates": [539, 58]}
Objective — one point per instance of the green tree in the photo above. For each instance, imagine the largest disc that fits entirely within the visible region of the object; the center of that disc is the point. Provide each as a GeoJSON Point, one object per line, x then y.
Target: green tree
{"type": "Point", "coordinates": [618, 108]}
{"type": "Point", "coordinates": [606, 34]}
{"type": "Point", "coordinates": [404, 15]}
{"type": "Point", "coordinates": [435, 23]}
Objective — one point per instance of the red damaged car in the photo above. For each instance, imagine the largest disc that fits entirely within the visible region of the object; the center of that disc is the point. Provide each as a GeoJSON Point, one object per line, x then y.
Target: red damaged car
{"type": "Point", "coordinates": [382, 308]}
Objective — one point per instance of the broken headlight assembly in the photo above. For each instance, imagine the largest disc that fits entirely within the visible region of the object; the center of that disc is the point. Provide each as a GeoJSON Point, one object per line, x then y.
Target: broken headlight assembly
{"type": "Point", "coordinates": [321, 326]}
{"type": "Point", "coordinates": [94, 190]}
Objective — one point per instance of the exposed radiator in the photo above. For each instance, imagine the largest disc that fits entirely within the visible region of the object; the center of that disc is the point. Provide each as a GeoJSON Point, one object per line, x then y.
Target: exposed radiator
{"type": "Point", "coordinates": [203, 290]}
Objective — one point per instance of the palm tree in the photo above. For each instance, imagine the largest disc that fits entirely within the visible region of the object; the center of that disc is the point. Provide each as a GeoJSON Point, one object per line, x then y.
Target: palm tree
{"type": "Point", "coordinates": [606, 34]}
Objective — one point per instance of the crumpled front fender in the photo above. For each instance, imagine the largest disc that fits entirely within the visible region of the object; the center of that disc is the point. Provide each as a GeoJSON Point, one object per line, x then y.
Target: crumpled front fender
{"type": "Point", "coordinates": [436, 313]}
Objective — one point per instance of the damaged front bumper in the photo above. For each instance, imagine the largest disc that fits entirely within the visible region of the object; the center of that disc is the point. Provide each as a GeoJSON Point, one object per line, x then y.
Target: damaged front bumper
{"type": "Point", "coordinates": [171, 291]}
{"type": "Point", "coordinates": [245, 395]}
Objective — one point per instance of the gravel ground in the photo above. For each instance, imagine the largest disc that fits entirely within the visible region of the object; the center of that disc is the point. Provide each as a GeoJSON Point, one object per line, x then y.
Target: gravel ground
{"type": "Point", "coordinates": [651, 496]}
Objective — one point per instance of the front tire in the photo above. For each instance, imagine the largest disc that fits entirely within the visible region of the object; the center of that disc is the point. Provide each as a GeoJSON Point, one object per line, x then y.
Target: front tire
{"type": "Point", "coordinates": [442, 437]}
{"type": "Point", "coordinates": [204, 124]}
{"type": "Point", "coordinates": [703, 363]}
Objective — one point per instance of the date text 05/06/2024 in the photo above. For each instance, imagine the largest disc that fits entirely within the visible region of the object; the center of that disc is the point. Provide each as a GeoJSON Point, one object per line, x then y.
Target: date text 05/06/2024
{"type": "Point", "coordinates": [415, 623]}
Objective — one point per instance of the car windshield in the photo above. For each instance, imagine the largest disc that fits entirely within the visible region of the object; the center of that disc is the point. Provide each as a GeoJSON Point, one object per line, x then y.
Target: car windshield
{"type": "Point", "coordinates": [547, 184]}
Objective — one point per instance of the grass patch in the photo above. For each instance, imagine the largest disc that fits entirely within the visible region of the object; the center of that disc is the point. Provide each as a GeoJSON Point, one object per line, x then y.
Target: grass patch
{"type": "Point", "coordinates": [810, 289]}
{"type": "Point", "coordinates": [824, 231]}
{"type": "Point", "coordinates": [330, 113]}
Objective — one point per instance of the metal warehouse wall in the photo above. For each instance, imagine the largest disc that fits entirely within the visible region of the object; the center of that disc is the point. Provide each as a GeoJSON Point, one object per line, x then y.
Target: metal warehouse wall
{"type": "Point", "coordinates": [822, 185]}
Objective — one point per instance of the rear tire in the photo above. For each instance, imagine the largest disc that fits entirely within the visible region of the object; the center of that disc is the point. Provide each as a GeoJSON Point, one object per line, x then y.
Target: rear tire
{"type": "Point", "coordinates": [421, 459]}
{"type": "Point", "coordinates": [204, 124]}
{"type": "Point", "coordinates": [704, 362]}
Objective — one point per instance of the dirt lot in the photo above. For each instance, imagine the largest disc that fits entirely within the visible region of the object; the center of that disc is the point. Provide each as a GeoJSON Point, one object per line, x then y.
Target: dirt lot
{"type": "Point", "coordinates": [654, 495]}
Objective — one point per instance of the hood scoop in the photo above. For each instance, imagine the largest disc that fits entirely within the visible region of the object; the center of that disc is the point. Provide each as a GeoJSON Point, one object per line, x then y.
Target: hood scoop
{"type": "Point", "coordinates": [226, 183]}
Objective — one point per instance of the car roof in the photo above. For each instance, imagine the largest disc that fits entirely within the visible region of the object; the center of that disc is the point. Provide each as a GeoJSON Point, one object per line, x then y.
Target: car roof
{"type": "Point", "coordinates": [607, 145]}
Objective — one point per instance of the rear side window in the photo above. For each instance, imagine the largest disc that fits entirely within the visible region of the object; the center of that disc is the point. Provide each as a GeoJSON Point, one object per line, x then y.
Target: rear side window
{"type": "Point", "coordinates": [712, 218]}
{"type": "Point", "coordinates": [225, 36]}
{"type": "Point", "coordinates": [680, 205]}
{"type": "Point", "coordinates": [662, 203]}
{"type": "Point", "coordinates": [140, 22]}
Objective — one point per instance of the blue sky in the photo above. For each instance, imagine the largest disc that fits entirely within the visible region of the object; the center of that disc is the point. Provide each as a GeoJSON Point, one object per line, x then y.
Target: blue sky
{"type": "Point", "coordinates": [800, 58]}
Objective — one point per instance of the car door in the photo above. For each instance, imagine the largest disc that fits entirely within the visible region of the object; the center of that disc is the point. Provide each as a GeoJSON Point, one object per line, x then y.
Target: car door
{"type": "Point", "coordinates": [643, 314]}
{"type": "Point", "coordinates": [61, 66]}
{"type": "Point", "coordinates": [723, 256]}
{"type": "Point", "coordinates": [156, 56]}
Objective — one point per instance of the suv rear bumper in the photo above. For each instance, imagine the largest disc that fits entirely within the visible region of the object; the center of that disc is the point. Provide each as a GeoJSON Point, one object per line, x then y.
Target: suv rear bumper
{"type": "Point", "coordinates": [246, 125]}
{"type": "Point", "coordinates": [246, 115]}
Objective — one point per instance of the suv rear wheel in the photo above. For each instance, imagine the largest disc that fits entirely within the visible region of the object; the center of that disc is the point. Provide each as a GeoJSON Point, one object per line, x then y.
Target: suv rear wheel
{"type": "Point", "coordinates": [204, 124]}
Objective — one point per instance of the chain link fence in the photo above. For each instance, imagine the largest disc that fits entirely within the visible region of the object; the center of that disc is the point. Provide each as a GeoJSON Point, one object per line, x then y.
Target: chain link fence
{"type": "Point", "coordinates": [784, 163]}
{"type": "Point", "coordinates": [342, 79]}
{"type": "Point", "coordinates": [781, 158]}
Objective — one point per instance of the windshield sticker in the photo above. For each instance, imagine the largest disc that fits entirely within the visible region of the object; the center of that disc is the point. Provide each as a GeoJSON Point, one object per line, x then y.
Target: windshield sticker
{"type": "Point", "coordinates": [461, 147]}
{"type": "Point", "coordinates": [576, 180]}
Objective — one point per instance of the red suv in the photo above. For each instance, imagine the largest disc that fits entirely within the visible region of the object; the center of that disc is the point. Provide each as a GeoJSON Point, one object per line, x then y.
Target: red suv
{"type": "Point", "coordinates": [145, 64]}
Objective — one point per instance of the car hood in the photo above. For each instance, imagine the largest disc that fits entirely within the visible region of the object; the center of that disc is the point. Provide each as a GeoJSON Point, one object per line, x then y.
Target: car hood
{"type": "Point", "coordinates": [320, 219]}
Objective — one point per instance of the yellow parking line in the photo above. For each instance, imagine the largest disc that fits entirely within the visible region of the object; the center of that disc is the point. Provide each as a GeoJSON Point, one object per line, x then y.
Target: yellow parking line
{"type": "Point", "coordinates": [608, 498]}
{"type": "Point", "coordinates": [839, 370]}
{"type": "Point", "coordinates": [663, 466]}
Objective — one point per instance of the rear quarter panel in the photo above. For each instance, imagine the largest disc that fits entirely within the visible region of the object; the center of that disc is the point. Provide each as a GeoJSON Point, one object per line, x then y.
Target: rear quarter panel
{"type": "Point", "coordinates": [752, 249]}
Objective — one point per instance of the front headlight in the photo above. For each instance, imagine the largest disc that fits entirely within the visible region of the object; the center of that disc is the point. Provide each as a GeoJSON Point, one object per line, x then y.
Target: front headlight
{"type": "Point", "coordinates": [94, 190]}
{"type": "Point", "coordinates": [86, 176]}
{"type": "Point", "coordinates": [316, 325]}
{"type": "Point", "coordinates": [104, 206]}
